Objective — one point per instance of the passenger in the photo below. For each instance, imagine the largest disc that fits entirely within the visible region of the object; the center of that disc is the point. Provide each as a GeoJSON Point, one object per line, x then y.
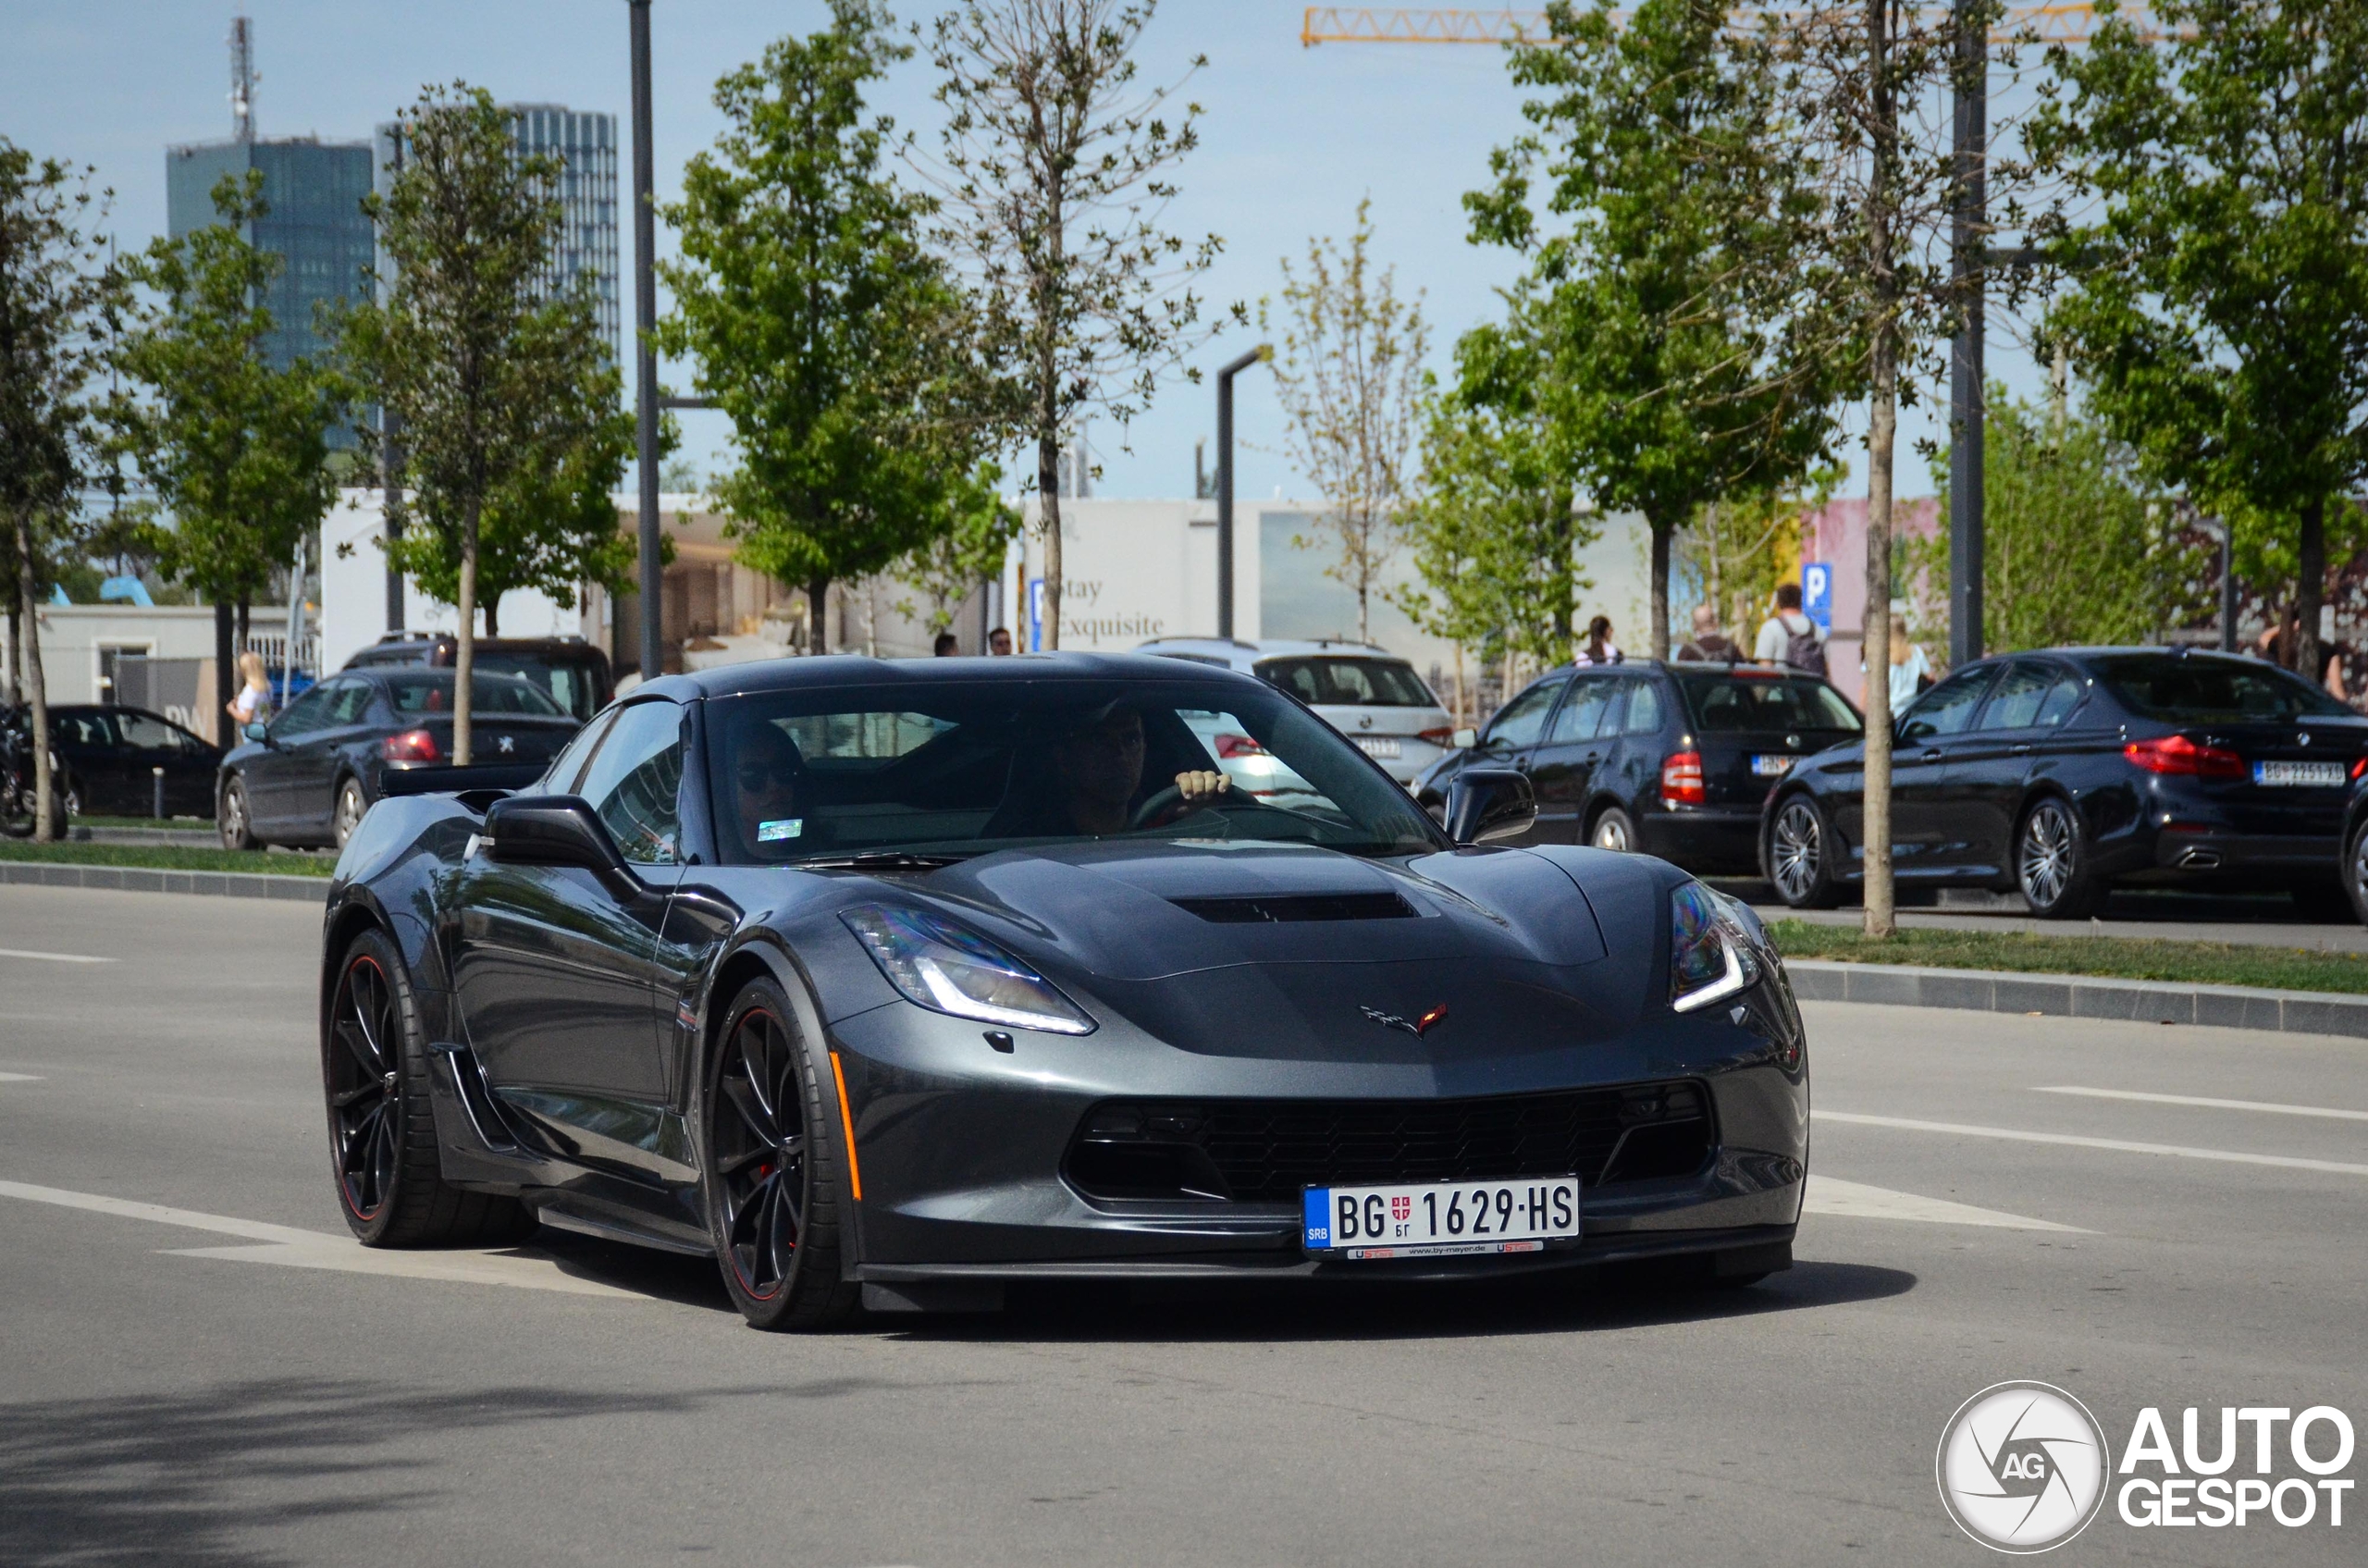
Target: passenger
{"type": "Point", "coordinates": [770, 787]}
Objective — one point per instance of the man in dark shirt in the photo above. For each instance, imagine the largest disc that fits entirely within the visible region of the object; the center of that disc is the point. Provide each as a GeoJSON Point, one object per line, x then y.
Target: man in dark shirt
{"type": "Point", "coordinates": [1709, 644]}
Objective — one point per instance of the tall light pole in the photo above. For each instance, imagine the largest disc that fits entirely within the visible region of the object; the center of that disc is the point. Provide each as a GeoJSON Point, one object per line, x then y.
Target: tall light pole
{"type": "Point", "coordinates": [644, 311]}
{"type": "Point", "coordinates": [1969, 255]}
{"type": "Point", "coordinates": [1226, 373]}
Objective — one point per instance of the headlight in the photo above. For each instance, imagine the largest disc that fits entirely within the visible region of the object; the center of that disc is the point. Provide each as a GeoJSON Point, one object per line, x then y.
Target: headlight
{"type": "Point", "coordinates": [942, 966]}
{"type": "Point", "coordinates": [1710, 958]}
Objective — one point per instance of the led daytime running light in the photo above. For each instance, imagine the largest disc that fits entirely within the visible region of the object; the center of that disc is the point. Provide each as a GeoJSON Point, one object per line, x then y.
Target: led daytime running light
{"type": "Point", "coordinates": [938, 965]}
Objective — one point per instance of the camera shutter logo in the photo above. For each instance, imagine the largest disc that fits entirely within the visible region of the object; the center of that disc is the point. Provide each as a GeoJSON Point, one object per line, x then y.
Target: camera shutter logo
{"type": "Point", "coordinates": [2023, 1467]}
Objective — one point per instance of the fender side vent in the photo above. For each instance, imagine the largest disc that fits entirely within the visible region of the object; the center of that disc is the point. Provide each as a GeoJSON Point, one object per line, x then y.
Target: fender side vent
{"type": "Point", "coordinates": [1278, 909]}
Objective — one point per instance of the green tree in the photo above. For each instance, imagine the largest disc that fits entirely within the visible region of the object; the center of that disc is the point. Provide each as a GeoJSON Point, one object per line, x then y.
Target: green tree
{"type": "Point", "coordinates": [1349, 374]}
{"type": "Point", "coordinates": [2078, 547]}
{"type": "Point", "coordinates": [58, 302]}
{"type": "Point", "coordinates": [840, 348]}
{"type": "Point", "coordinates": [235, 452]}
{"type": "Point", "coordinates": [2219, 305]}
{"type": "Point", "coordinates": [969, 551]}
{"type": "Point", "coordinates": [1054, 170]}
{"type": "Point", "coordinates": [506, 398]}
{"type": "Point", "coordinates": [1657, 131]}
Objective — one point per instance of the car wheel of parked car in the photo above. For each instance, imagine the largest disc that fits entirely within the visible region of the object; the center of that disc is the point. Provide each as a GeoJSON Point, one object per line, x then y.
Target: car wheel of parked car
{"type": "Point", "coordinates": [238, 827]}
{"type": "Point", "coordinates": [382, 1133]}
{"type": "Point", "coordinates": [2355, 870]}
{"type": "Point", "coordinates": [349, 808]}
{"type": "Point", "coordinates": [1799, 856]}
{"type": "Point", "coordinates": [769, 1165]}
{"type": "Point", "coordinates": [2052, 863]}
{"type": "Point", "coordinates": [1614, 829]}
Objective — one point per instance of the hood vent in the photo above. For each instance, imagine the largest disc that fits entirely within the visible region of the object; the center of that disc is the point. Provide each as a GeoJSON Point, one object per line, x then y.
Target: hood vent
{"type": "Point", "coordinates": [1275, 908]}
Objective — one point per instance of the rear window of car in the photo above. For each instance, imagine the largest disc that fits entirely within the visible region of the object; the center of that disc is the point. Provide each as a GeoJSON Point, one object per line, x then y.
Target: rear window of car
{"type": "Point", "coordinates": [430, 691]}
{"type": "Point", "coordinates": [573, 685]}
{"type": "Point", "coordinates": [1348, 682]}
{"type": "Point", "coordinates": [1727, 703]}
{"type": "Point", "coordinates": [2183, 689]}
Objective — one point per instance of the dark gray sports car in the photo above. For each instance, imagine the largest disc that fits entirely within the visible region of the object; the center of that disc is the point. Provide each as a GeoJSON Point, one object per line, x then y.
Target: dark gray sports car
{"type": "Point", "coordinates": [897, 983]}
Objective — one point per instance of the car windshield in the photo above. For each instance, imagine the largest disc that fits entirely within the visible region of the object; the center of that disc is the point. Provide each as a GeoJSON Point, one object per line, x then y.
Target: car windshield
{"type": "Point", "coordinates": [969, 768]}
{"type": "Point", "coordinates": [2192, 690]}
{"type": "Point", "coordinates": [1728, 703]}
{"type": "Point", "coordinates": [1348, 682]}
{"type": "Point", "coordinates": [568, 684]}
{"type": "Point", "coordinates": [430, 691]}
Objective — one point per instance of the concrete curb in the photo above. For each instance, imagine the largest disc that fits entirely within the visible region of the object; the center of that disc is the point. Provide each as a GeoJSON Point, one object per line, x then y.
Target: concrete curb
{"type": "Point", "coordinates": [2081, 996]}
{"type": "Point", "coordinates": [141, 879]}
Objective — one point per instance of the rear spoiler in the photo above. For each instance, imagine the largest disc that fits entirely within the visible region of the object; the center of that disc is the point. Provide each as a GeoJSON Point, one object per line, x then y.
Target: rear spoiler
{"type": "Point", "coordinates": [501, 777]}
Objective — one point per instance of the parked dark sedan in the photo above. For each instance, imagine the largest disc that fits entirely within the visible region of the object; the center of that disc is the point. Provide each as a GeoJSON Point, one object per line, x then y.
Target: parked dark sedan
{"type": "Point", "coordinates": [1672, 759]}
{"type": "Point", "coordinates": [107, 759]}
{"type": "Point", "coordinates": [2062, 772]}
{"type": "Point", "coordinates": [308, 776]}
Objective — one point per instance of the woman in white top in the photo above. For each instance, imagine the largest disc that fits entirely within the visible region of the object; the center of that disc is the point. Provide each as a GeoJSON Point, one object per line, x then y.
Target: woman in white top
{"type": "Point", "coordinates": [1908, 665]}
{"type": "Point", "coordinates": [253, 700]}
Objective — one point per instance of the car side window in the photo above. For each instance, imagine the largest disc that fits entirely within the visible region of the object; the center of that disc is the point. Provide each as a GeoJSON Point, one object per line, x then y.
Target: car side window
{"type": "Point", "coordinates": [349, 700]}
{"type": "Point", "coordinates": [2061, 699]}
{"type": "Point", "coordinates": [301, 717]}
{"type": "Point", "coordinates": [1947, 707]}
{"type": "Point", "coordinates": [561, 777]}
{"type": "Point", "coordinates": [635, 783]}
{"type": "Point", "coordinates": [1644, 708]}
{"type": "Point", "coordinates": [1519, 721]}
{"type": "Point", "coordinates": [1583, 711]}
{"type": "Point", "coordinates": [146, 732]}
{"type": "Point", "coordinates": [2015, 704]}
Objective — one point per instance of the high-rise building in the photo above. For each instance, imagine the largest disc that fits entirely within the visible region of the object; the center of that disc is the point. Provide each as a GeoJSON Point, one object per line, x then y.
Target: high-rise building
{"type": "Point", "coordinates": [585, 146]}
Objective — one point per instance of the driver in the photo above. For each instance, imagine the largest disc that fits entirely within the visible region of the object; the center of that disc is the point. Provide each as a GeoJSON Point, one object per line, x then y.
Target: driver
{"type": "Point", "coordinates": [1095, 770]}
{"type": "Point", "coordinates": [768, 786]}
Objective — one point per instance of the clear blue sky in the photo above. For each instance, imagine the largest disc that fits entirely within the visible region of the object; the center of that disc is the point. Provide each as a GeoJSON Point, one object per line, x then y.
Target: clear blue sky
{"type": "Point", "coordinates": [1292, 139]}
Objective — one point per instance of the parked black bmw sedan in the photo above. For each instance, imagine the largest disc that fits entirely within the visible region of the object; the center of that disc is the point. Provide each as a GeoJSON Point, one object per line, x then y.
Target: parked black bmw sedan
{"type": "Point", "coordinates": [307, 776]}
{"type": "Point", "coordinates": [1672, 759]}
{"type": "Point", "coordinates": [2064, 772]}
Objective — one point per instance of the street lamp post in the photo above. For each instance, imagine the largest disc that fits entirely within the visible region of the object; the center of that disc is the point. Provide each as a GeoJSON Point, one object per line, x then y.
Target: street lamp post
{"type": "Point", "coordinates": [1968, 245]}
{"type": "Point", "coordinates": [645, 310]}
{"type": "Point", "coordinates": [1225, 374]}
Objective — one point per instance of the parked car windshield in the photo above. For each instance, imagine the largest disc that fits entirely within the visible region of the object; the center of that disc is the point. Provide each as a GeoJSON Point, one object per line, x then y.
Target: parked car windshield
{"type": "Point", "coordinates": [1348, 682]}
{"type": "Point", "coordinates": [2186, 689]}
{"type": "Point", "coordinates": [1727, 702]}
{"type": "Point", "coordinates": [969, 768]}
{"type": "Point", "coordinates": [430, 691]}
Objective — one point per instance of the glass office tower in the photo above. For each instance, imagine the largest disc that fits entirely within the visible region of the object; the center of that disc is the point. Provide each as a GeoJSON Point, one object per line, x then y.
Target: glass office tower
{"type": "Point", "coordinates": [316, 225]}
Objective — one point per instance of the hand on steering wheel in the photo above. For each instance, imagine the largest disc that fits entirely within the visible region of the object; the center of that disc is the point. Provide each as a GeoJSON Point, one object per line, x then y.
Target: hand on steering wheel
{"type": "Point", "coordinates": [1193, 790]}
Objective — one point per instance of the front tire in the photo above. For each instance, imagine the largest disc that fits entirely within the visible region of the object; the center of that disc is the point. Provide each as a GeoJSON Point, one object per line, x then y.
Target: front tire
{"type": "Point", "coordinates": [1800, 855]}
{"type": "Point", "coordinates": [769, 1165]}
{"type": "Point", "coordinates": [2051, 862]}
{"type": "Point", "coordinates": [1614, 829]}
{"type": "Point", "coordinates": [234, 818]}
{"type": "Point", "coordinates": [389, 1178]}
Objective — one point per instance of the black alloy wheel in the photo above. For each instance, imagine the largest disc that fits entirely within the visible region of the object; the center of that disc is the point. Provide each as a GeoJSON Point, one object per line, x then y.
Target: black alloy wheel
{"type": "Point", "coordinates": [236, 823]}
{"type": "Point", "coordinates": [2355, 870]}
{"type": "Point", "coordinates": [382, 1131]}
{"type": "Point", "coordinates": [351, 809]}
{"type": "Point", "coordinates": [769, 1166]}
{"type": "Point", "coordinates": [2051, 862]}
{"type": "Point", "coordinates": [1614, 829]}
{"type": "Point", "coordinates": [1799, 856]}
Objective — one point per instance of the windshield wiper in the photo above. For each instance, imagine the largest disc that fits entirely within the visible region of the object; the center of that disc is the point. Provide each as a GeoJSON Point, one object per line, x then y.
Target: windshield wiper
{"type": "Point", "coordinates": [879, 861]}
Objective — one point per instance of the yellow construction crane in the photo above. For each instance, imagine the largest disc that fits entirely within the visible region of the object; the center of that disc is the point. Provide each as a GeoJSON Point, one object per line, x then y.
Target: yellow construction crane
{"type": "Point", "coordinates": [1384, 24]}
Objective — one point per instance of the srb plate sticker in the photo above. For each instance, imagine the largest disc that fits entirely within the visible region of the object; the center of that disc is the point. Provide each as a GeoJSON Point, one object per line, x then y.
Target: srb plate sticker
{"type": "Point", "coordinates": [1440, 1219]}
{"type": "Point", "coordinates": [774, 831]}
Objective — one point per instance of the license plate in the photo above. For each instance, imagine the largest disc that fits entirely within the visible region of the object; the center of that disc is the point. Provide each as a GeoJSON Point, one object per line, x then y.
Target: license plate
{"type": "Point", "coordinates": [2319, 774]}
{"type": "Point", "coordinates": [1440, 1219]}
{"type": "Point", "coordinates": [1772, 766]}
{"type": "Point", "coordinates": [1381, 748]}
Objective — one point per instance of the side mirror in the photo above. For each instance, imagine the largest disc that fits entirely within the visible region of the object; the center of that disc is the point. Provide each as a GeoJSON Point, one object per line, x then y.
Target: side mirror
{"type": "Point", "coordinates": [1916, 729]}
{"type": "Point", "coordinates": [1486, 804]}
{"type": "Point", "coordinates": [1465, 739]}
{"type": "Point", "coordinates": [253, 730]}
{"type": "Point", "coordinates": [556, 829]}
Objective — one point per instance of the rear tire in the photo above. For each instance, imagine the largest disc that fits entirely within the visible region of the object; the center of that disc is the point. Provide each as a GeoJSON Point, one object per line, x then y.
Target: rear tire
{"type": "Point", "coordinates": [232, 817]}
{"type": "Point", "coordinates": [2355, 870]}
{"type": "Point", "coordinates": [383, 1155]}
{"type": "Point", "coordinates": [348, 813]}
{"type": "Point", "coordinates": [1799, 853]}
{"type": "Point", "coordinates": [1614, 829]}
{"type": "Point", "coordinates": [771, 1158]}
{"type": "Point", "coordinates": [2051, 862]}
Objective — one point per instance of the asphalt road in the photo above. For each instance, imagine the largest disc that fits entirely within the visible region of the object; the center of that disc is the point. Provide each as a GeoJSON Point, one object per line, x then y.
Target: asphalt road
{"type": "Point", "coordinates": [229, 1383]}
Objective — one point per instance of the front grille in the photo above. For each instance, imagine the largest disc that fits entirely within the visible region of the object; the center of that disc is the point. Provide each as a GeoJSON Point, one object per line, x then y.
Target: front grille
{"type": "Point", "coordinates": [1264, 1151]}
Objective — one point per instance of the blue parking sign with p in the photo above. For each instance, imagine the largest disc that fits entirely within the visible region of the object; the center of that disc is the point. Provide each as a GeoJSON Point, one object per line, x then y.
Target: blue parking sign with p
{"type": "Point", "coordinates": [1817, 593]}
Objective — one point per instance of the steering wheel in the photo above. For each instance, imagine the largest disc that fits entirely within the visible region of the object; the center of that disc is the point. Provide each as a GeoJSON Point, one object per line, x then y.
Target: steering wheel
{"type": "Point", "coordinates": [1167, 806]}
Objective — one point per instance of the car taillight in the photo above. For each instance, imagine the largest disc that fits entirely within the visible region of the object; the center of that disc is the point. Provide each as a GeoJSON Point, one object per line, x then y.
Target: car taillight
{"type": "Point", "coordinates": [1443, 736]}
{"type": "Point", "coordinates": [1681, 780]}
{"type": "Point", "coordinates": [1231, 747]}
{"type": "Point", "coordinates": [2177, 754]}
{"type": "Point", "coordinates": [412, 746]}
{"type": "Point", "coordinates": [2360, 767]}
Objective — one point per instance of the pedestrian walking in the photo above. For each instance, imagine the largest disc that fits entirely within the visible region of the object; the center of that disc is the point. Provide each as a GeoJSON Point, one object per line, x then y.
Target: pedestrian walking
{"type": "Point", "coordinates": [252, 703]}
{"type": "Point", "coordinates": [1790, 638]}
{"type": "Point", "coordinates": [1599, 649]}
{"type": "Point", "coordinates": [1708, 645]}
{"type": "Point", "coordinates": [946, 646]}
{"type": "Point", "coordinates": [999, 641]}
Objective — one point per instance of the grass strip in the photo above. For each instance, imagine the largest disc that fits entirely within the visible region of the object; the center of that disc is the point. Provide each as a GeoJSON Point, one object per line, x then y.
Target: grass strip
{"type": "Point", "coordinates": [2117, 957]}
{"type": "Point", "coordinates": [166, 858]}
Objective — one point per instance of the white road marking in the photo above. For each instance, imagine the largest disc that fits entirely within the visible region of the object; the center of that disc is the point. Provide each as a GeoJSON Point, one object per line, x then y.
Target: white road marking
{"type": "Point", "coordinates": [292, 1248]}
{"type": "Point", "coordinates": [19, 1078]}
{"type": "Point", "coordinates": [2263, 1105]}
{"type": "Point", "coordinates": [1829, 1195]}
{"type": "Point", "coordinates": [53, 957]}
{"type": "Point", "coordinates": [2229, 1157]}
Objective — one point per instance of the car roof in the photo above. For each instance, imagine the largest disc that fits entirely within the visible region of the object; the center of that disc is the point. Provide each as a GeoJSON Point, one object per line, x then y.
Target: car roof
{"type": "Point", "coordinates": [1241, 655]}
{"type": "Point", "coordinates": [854, 670]}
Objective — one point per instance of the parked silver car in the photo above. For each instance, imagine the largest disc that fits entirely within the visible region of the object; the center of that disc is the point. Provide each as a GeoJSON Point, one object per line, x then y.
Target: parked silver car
{"type": "Point", "coordinates": [1371, 696]}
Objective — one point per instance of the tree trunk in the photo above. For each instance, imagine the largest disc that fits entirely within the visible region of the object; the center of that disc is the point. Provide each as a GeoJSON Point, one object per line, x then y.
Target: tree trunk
{"type": "Point", "coordinates": [1662, 532]}
{"type": "Point", "coordinates": [16, 661]}
{"type": "Point", "coordinates": [45, 814]}
{"type": "Point", "coordinates": [1883, 429]}
{"type": "Point", "coordinates": [225, 670]}
{"type": "Point", "coordinates": [1048, 489]}
{"type": "Point", "coordinates": [464, 653]}
{"type": "Point", "coordinates": [1364, 610]}
{"type": "Point", "coordinates": [1562, 597]}
{"type": "Point", "coordinates": [241, 611]}
{"type": "Point", "coordinates": [492, 617]}
{"type": "Point", "coordinates": [2310, 591]}
{"type": "Point", "coordinates": [818, 615]}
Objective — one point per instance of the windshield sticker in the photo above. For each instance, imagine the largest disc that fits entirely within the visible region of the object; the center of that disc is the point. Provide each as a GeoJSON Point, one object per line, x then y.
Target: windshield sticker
{"type": "Point", "coordinates": [774, 831]}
